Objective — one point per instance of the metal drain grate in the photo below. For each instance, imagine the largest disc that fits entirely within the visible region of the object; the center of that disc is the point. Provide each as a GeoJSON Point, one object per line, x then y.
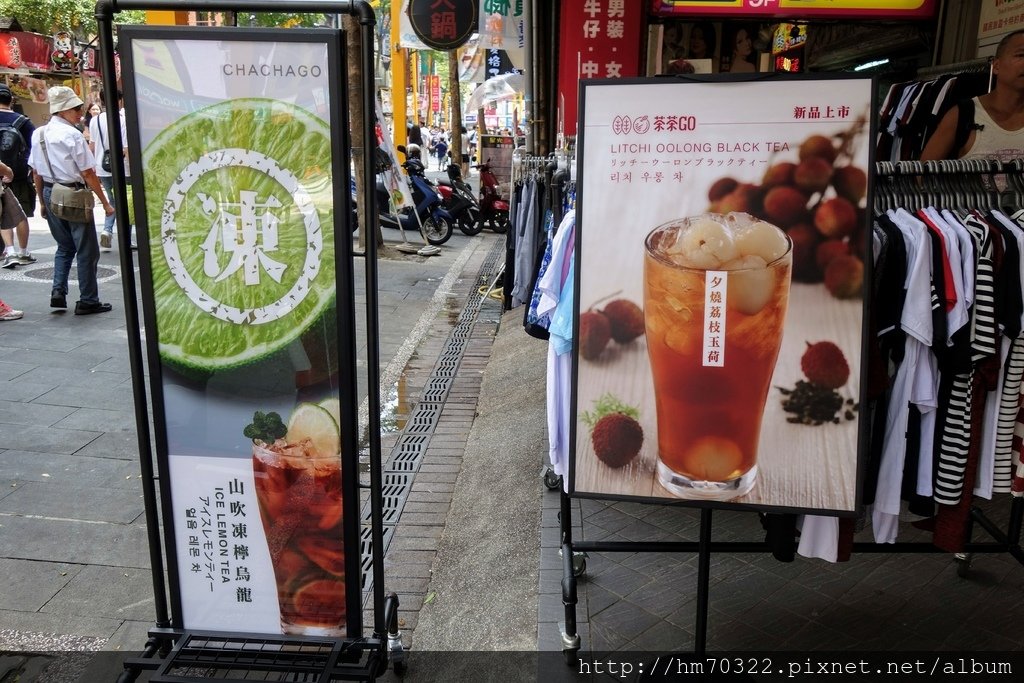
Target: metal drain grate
{"type": "Point", "coordinates": [407, 454]}
{"type": "Point", "coordinates": [365, 553]}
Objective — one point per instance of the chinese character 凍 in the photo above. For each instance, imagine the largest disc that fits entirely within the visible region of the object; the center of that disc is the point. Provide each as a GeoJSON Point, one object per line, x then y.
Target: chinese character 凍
{"type": "Point", "coordinates": [239, 530]}
{"type": "Point", "coordinates": [248, 236]}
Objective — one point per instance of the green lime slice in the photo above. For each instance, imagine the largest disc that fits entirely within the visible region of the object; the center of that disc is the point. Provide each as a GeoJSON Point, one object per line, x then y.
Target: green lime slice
{"type": "Point", "coordinates": [333, 406]}
{"type": "Point", "coordinates": [310, 421]}
{"type": "Point", "coordinates": [239, 204]}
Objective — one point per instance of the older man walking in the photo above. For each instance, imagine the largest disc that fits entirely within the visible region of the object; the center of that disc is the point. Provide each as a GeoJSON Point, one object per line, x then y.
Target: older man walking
{"type": "Point", "coordinates": [60, 155]}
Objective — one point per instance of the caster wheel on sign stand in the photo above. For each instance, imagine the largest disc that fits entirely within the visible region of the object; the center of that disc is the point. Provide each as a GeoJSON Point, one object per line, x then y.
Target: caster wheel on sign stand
{"type": "Point", "coordinates": [552, 480]}
{"type": "Point", "coordinates": [963, 564]}
{"type": "Point", "coordinates": [579, 564]}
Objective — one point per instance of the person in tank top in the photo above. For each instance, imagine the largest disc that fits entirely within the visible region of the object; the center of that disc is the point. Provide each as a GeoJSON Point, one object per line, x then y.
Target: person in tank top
{"type": "Point", "coordinates": [998, 116]}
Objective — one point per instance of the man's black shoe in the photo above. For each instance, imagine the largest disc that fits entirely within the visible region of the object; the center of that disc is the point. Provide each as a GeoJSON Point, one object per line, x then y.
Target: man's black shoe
{"type": "Point", "coordinates": [58, 300]}
{"type": "Point", "coordinates": [82, 308]}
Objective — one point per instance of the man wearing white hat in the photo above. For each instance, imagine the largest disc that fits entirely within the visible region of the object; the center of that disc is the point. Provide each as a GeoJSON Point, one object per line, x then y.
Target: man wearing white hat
{"type": "Point", "coordinates": [60, 154]}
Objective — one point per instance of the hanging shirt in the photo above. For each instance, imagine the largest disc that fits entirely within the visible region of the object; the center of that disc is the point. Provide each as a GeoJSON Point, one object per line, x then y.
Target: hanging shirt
{"type": "Point", "coordinates": [915, 380]}
{"type": "Point", "coordinates": [552, 285]}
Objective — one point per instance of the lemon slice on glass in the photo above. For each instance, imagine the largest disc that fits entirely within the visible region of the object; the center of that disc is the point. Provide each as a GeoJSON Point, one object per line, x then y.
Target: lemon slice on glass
{"type": "Point", "coordinates": [310, 421]}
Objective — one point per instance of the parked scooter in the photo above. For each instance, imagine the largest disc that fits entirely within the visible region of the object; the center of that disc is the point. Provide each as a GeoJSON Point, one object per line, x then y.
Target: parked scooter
{"type": "Point", "coordinates": [457, 196]}
{"type": "Point", "coordinates": [437, 222]}
{"type": "Point", "coordinates": [493, 209]}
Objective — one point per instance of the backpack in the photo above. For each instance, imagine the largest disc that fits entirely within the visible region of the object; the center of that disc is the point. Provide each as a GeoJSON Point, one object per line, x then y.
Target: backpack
{"type": "Point", "coordinates": [964, 124]}
{"type": "Point", "coordinates": [13, 147]}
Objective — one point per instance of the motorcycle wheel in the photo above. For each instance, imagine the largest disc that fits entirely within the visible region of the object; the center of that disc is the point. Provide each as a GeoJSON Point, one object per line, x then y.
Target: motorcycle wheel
{"type": "Point", "coordinates": [436, 230]}
{"type": "Point", "coordinates": [468, 226]}
{"type": "Point", "coordinates": [499, 222]}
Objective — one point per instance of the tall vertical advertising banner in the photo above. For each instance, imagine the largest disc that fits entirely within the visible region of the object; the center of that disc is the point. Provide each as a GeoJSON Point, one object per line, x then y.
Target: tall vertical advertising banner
{"type": "Point", "coordinates": [721, 252]}
{"type": "Point", "coordinates": [239, 154]}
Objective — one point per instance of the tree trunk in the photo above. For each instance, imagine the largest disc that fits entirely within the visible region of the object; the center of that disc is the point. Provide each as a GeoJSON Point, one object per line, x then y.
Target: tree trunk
{"type": "Point", "coordinates": [455, 97]}
{"type": "Point", "coordinates": [356, 114]}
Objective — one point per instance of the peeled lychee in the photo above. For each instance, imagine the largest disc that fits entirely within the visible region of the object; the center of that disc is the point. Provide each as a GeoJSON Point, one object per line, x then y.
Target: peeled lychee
{"type": "Point", "coordinates": [617, 439]}
{"type": "Point", "coordinates": [595, 331]}
{"type": "Point", "coordinates": [626, 320]}
{"type": "Point", "coordinates": [707, 244]}
{"type": "Point", "coordinates": [824, 364]}
{"type": "Point", "coordinates": [762, 239]}
{"type": "Point", "coordinates": [844, 276]}
{"type": "Point", "coordinates": [751, 284]}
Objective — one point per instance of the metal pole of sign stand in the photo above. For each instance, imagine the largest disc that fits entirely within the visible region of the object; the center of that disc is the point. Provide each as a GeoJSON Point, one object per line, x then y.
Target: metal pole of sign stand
{"type": "Point", "coordinates": [215, 655]}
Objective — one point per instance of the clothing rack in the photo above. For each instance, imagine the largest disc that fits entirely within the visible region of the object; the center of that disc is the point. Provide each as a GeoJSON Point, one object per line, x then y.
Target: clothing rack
{"type": "Point", "coordinates": [915, 177]}
{"type": "Point", "coordinates": [971, 66]}
{"type": "Point", "coordinates": [911, 110]}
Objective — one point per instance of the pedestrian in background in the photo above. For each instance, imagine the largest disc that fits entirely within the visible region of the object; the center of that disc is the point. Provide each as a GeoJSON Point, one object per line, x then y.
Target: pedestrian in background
{"type": "Point", "coordinates": [61, 155]}
{"type": "Point", "coordinates": [99, 145]}
{"type": "Point", "coordinates": [996, 130]}
{"type": "Point", "coordinates": [21, 186]}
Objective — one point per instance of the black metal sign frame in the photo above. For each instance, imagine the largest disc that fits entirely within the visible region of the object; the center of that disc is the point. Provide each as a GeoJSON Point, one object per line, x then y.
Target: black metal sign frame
{"type": "Point", "coordinates": [168, 639]}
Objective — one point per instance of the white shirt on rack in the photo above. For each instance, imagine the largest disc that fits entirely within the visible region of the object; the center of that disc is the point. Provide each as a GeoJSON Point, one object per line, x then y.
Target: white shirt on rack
{"type": "Point", "coordinates": [915, 381]}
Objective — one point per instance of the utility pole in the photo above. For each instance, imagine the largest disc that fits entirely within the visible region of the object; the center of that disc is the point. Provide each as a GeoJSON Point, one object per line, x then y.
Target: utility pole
{"type": "Point", "coordinates": [455, 98]}
{"type": "Point", "coordinates": [398, 77]}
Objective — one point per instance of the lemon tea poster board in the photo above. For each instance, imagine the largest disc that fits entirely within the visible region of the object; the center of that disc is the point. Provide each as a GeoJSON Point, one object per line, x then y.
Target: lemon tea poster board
{"type": "Point", "coordinates": [239, 150]}
{"type": "Point", "coordinates": [720, 246]}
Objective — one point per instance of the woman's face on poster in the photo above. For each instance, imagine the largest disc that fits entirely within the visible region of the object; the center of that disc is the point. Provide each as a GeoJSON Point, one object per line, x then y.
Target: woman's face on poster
{"type": "Point", "coordinates": [743, 44]}
{"type": "Point", "coordinates": [698, 43]}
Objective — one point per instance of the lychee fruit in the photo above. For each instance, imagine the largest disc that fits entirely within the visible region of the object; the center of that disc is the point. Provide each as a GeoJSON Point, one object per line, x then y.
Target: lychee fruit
{"type": "Point", "coordinates": [805, 244]}
{"type": "Point", "coordinates": [850, 182]}
{"type": "Point", "coordinates": [824, 364]}
{"type": "Point", "coordinates": [828, 250]}
{"type": "Point", "coordinates": [745, 198]}
{"type": "Point", "coordinates": [595, 331]}
{"type": "Point", "coordinates": [818, 146]}
{"type": "Point", "coordinates": [626, 320]}
{"type": "Point", "coordinates": [835, 217]}
{"type": "Point", "coordinates": [813, 174]}
{"type": "Point", "coordinates": [779, 174]}
{"type": "Point", "coordinates": [844, 276]}
{"type": "Point", "coordinates": [617, 439]}
{"type": "Point", "coordinates": [721, 187]}
{"type": "Point", "coordinates": [784, 205]}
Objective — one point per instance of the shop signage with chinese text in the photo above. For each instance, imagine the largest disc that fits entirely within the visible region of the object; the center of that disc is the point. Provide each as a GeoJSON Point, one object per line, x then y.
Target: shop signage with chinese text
{"type": "Point", "coordinates": [599, 39]}
{"type": "Point", "coordinates": [801, 9]}
{"type": "Point", "coordinates": [443, 24]}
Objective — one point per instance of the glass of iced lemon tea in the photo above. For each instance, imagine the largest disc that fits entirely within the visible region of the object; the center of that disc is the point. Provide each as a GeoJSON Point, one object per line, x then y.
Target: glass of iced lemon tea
{"type": "Point", "coordinates": [716, 288]}
{"type": "Point", "coordinates": [298, 487]}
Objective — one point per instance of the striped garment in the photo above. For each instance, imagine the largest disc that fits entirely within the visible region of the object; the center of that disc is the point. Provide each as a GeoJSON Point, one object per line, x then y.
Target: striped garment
{"type": "Point", "coordinates": [956, 430]}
